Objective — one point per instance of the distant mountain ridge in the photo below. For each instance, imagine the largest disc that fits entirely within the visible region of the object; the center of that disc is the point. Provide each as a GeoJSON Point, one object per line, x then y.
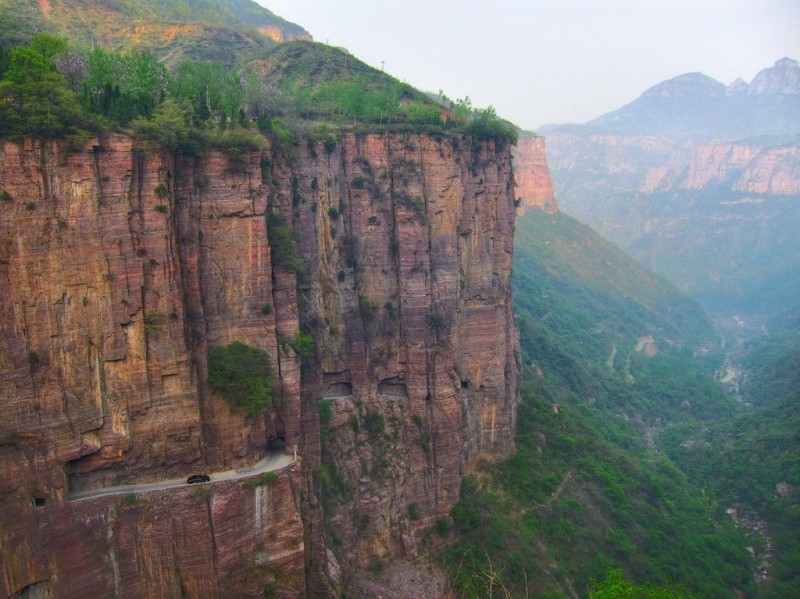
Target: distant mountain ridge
{"type": "Point", "coordinates": [697, 180]}
{"type": "Point", "coordinates": [783, 78]}
{"type": "Point", "coordinates": [694, 103]}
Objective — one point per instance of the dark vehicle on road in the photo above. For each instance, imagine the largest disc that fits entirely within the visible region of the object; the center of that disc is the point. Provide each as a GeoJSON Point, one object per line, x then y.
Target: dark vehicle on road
{"type": "Point", "coordinates": [198, 478]}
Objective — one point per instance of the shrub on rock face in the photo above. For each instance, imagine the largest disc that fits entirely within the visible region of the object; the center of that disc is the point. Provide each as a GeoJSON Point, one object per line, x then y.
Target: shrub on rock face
{"type": "Point", "coordinates": [283, 243]}
{"type": "Point", "coordinates": [243, 375]}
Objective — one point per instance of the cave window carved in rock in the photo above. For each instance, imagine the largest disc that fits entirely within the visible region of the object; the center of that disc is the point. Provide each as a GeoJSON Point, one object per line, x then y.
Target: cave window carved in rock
{"type": "Point", "coordinates": [394, 387]}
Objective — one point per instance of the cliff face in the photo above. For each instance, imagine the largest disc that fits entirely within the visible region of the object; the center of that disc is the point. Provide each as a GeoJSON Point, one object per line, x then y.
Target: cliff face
{"type": "Point", "coordinates": [532, 175]}
{"type": "Point", "coordinates": [647, 164]}
{"type": "Point", "coordinates": [408, 294]}
{"type": "Point", "coordinates": [742, 168]}
{"type": "Point", "coordinates": [119, 269]}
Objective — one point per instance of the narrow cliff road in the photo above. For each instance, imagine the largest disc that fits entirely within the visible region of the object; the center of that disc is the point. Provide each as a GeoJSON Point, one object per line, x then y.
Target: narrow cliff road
{"type": "Point", "coordinates": [274, 461]}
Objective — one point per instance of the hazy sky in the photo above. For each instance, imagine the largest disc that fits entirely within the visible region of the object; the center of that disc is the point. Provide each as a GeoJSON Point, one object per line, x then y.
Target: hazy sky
{"type": "Point", "coordinates": [545, 61]}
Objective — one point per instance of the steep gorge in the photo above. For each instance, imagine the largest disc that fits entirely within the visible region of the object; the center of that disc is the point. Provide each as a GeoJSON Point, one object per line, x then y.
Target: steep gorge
{"type": "Point", "coordinates": [697, 181]}
{"type": "Point", "coordinates": [119, 268]}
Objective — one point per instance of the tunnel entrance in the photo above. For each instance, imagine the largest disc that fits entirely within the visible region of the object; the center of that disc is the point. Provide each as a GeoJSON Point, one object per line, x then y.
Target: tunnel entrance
{"type": "Point", "coordinates": [393, 387]}
{"type": "Point", "coordinates": [338, 390]}
{"type": "Point", "coordinates": [276, 445]}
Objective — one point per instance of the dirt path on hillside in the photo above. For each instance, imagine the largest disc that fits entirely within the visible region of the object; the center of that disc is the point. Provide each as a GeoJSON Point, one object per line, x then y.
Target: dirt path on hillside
{"type": "Point", "coordinates": [558, 490]}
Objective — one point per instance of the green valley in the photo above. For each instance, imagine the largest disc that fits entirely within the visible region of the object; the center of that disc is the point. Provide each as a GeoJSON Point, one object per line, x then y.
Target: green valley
{"type": "Point", "coordinates": [591, 487]}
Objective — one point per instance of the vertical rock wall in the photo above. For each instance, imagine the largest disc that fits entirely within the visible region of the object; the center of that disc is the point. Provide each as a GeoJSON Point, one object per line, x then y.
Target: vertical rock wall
{"type": "Point", "coordinates": [120, 268]}
{"type": "Point", "coordinates": [408, 241]}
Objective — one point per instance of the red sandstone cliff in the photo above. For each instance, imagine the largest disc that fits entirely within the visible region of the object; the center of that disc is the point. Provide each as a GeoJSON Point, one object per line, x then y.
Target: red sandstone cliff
{"type": "Point", "coordinates": [625, 164]}
{"type": "Point", "coordinates": [408, 293]}
{"type": "Point", "coordinates": [717, 218]}
{"type": "Point", "coordinates": [119, 268]}
{"type": "Point", "coordinates": [740, 167]}
{"type": "Point", "coordinates": [532, 175]}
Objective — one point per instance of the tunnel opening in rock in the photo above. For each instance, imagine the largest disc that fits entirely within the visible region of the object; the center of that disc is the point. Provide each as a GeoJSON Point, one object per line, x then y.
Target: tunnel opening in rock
{"type": "Point", "coordinates": [337, 384]}
{"type": "Point", "coordinates": [340, 389]}
{"type": "Point", "coordinates": [276, 445]}
{"type": "Point", "coordinates": [86, 472]}
{"type": "Point", "coordinates": [394, 387]}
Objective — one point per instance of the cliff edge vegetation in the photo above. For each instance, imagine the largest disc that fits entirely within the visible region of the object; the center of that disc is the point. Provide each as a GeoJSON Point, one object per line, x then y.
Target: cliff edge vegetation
{"type": "Point", "coordinates": [53, 90]}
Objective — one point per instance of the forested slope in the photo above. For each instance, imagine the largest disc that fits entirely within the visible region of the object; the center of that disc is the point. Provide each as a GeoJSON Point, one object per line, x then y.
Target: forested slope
{"type": "Point", "coordinates": [751, 461]}
{"type": "Point", "coordinates": [611, 356]}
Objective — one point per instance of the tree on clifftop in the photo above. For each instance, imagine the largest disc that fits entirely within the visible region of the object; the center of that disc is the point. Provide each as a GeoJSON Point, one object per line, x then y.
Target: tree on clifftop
{"type": "Point", "coordinates": [34, 97]}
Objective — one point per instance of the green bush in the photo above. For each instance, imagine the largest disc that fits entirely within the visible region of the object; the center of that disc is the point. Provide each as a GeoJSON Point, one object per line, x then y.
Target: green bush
{"type": "Point", "coordinates": [169, 128]}
{"type": "Point", "coordinates": [261, 480]}
{"type": "Point", "coordinates": [615, 586]}
{"type": "Point", "coordinates": [152, 318]}
{"type": "Point", "coordinates": [443, 526]}
{"type": "Point", "coordinates": [325, 411]}
{"type": "Point", "coordinates": [277, 132]}
{"type": "Point", "coordinates": [355, 424]}
{"type": "Point", "coordinates": [373, 424]}
{"type": "Point", "coordinates": [375, 565]}
{"type": "Point", "coordinates": [243, 375]}
{"type": "Point", "coordinates": [283, 243]}
{"type": "Point", "coordinates": [302, 344]}
{"type": "Point", "coordinates": [487, 125]}
{"type": "Point", "coordinates": [237, 143]}
{"type": "Point", "coordinates": [368, 309]}
{"type": "Point", "coordinates": [269, 591]}
{"type": "Point", "coordinates": [35, 99]}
